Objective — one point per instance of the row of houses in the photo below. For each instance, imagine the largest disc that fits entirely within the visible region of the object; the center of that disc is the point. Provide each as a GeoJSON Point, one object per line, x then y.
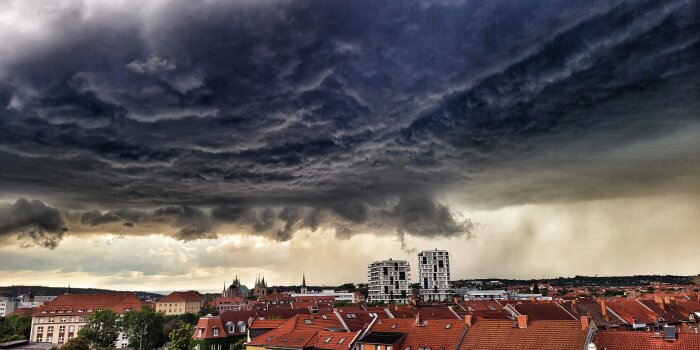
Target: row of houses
{"type": "Point", "coordinates": [485, 324]}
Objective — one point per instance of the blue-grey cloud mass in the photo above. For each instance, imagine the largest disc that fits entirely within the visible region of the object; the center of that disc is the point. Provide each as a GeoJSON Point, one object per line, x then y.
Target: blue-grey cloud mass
{"type": "Point", "coordinates": [355, 115]}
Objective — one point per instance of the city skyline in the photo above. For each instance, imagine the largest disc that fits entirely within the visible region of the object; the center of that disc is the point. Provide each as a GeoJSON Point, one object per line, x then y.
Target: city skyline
{"type": "Point", "coordinates": [181, 144]}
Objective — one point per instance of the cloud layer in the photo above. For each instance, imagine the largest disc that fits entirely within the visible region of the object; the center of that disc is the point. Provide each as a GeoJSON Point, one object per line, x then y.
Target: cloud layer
{"type": "Point", "coordinates": [199, 119]}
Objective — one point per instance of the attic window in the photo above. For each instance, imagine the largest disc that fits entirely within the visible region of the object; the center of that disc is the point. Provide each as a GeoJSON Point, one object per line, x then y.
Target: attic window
{"type": "Point", "coordinates": [328, 340]}
{"type": "Point", "coordinates": [285, 340]}
{"type": "Point", "coordinates": [299, 340]}
{"type": "Point", "coordinates": [341, 340]}
{"type": "Point", "coordinates": [324, 317]}
{"type": "Point", "coordinates": [268, 338]}
{"type": "Point", "coordinates": [448, 326]}
{"type": "Point", "coordinates": [393, 326]}
{"type": "Point", "coordinates": [307, 321]}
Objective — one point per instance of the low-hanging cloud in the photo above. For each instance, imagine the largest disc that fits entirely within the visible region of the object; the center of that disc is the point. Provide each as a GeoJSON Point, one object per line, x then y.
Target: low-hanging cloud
{"type": "Point", "coordinates": [33, 222]}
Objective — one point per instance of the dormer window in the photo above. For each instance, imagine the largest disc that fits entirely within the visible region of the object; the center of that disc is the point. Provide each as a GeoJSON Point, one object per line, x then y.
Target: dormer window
{"type": "Point", "coordinates": [216, 332]}
{"type": "Point", "coordinates": [199, 332]}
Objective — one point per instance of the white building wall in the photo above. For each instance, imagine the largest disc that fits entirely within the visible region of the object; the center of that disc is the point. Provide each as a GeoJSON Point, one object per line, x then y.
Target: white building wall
{"type": "Point", "coordinates": [434, 275]}
{"type": "Point", "coordinates": [7, 307]}
{"type": "Point", "coordinates": [389, 280]}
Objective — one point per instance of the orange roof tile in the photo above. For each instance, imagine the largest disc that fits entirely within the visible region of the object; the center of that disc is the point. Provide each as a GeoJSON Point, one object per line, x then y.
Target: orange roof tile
{"type": "Point", "coordinates": [207, 325]}
{"type": "Point", "coordinates": [434, 334]}
{"type": "Point", "coordinates": [541, 335]}
{"type": "Point", "coordinates": [81, 304]}
{"type": "Point", "coordinates": [180, 297]}
{"type": "Point", "coordinates": [618, 340]}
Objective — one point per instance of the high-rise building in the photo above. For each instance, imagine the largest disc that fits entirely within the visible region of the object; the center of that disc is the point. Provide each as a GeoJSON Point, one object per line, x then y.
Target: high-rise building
{"type": "Point", "coordinates": [389, 281]}
{"type": "Point", "coordinates": [434, 275]}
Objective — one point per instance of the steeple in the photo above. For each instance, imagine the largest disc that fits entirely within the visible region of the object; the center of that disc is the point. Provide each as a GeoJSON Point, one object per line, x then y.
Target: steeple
{"type": "Point", "coordinates": [303, 282]}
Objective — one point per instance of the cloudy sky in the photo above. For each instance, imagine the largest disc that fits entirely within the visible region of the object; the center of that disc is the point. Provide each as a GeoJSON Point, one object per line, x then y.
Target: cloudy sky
{"type": "Point", "coordinates": [162, 145]}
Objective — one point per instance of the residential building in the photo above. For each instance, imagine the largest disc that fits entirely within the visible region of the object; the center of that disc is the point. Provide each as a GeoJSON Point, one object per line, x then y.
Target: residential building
{"type": "Point", "coordinates": [486, 295]}
{"type": "Point", "coordinates": [349, 297]}
{"type": "Point", "coordinates": [7, 306]}
{"type": "Point", "coordinates": [434, 275]}
{"type": "Point", "coordinates": [60, 319]}
{"type": "Point", "coordinates": [389, 281]}
{"type": "Point", "coordinates": [177, 303]}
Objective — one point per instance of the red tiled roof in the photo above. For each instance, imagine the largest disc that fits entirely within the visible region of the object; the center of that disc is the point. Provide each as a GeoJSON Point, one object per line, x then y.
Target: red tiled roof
{"type": "Point", "coordinates": [434, 334]}
{"type": "Point", "coordinates": [550, 311]}
{"type": "Point", "coordinates": [479, 305]}
{"type": "Point", "coordinates": [180, 297]}
{"type": "Point", "coordinates": [618, 340]}
{"type": "Point", "coordinates": [72, 304]}
{"type": "Point", "coordinates": [332, 340]}
{"type": "Point", "coordinates": [206, 325]}
{"type": "Point", "coordinates": [317, 322]}
{"type": "Point", "coordinates": [355, 320]}
{"type": "Point", "coordinates": [227, 300]}
{"type": "Point", "coordinates": [23, 311]}
{"type": "Point", "coordinates": [427, 313]}
{"type": "Point", "coordinates": [631, 311]}
{"type": "Point", "coordinates": [284, 328]}
{"type": "Point", "coordinates": [540, 335]}
{"type": "Point", "coordinates": [295, 339]}
{"type": "Point", "coordinates": [492, 315]}
{"type": "Point", "coordinates": [266, 324]}
{"type": "Point", "coordinates": [668, 312]}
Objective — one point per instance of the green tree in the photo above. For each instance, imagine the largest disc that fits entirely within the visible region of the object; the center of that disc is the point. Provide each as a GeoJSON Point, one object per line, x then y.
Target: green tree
{"type": "Point", "coordinates": [208, 309]}
{"type": "Point", "coordinates": [144, 328]}
{"type": "Point", "coordinates": [181, 338]}
{"type": "Point", "coordinates": [77, 343]}
{"type": "Point", "coordinates": [240, 344]}
{"type": "Point", "coordinates": [102, 329]}
{"type": "Point", "coordinates": [15, 327]}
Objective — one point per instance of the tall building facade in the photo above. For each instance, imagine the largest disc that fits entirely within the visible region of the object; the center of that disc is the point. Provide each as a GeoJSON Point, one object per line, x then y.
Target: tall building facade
{"type": "Point", "coordinates": [434, 275]}
{"type": "Point", "coordinates": [389, 281]}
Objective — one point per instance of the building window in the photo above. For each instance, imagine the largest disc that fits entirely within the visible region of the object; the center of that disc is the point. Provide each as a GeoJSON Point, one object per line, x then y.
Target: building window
{"type": "Point", "coordinates": [60, 339]}
{"type": "Point", "coordinates": [50, 329]}
{"type": "Point", "coordinates": [216, 332]}
{"type": "Point", "coordinates": [199, 332]}
{"type": "Point", "coordinates": [71, 328]}
{"type": "Point", "coordinates": [51, 319]}
{"type": "Point", "coordinates": [61, 329]}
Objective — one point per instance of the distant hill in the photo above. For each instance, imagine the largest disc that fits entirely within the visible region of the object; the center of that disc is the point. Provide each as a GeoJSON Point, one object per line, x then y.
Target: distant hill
{"type": "Point", "coordinates": [13, 291]}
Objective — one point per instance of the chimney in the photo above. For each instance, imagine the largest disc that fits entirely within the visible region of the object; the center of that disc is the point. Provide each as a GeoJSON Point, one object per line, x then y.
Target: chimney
{"type": "Point", "coordinates": [418, 322]}
{"type": "Point", "coordinates": [603, 308]}
{"type": "Point", "coordinates": [522, 321]}
{"type": "Point", "coordinates": [455, 299]}
{"type": "Point", "coordinates": [667, 300]}
{"type": "Point", "coordinates": [468, 320]}
{"type": "Point", "coordinates": [573, 305]}
{"type": "Point", "coordinates": [659, 302]}
{"type": "Point", "coordinates": [585, 322]}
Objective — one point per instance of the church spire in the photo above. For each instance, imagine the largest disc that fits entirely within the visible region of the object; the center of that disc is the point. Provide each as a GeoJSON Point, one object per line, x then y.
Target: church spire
{"type": "Point", "coordinates": [303, 279]}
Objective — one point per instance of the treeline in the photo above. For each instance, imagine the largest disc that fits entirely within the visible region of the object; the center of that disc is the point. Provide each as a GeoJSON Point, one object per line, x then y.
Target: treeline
{"type": "Point", "coordinates": [14, 291]}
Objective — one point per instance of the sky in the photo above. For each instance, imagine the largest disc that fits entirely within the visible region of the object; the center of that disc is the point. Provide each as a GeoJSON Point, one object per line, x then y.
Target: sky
{"type": "Point", "coordinates": [170, 145]}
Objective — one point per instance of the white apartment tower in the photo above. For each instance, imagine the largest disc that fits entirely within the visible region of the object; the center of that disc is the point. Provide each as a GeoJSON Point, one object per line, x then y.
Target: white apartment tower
{"type": "Point", "coordinates": [389, 281]}
{"type": "Point", "coordinates": [434, 272]}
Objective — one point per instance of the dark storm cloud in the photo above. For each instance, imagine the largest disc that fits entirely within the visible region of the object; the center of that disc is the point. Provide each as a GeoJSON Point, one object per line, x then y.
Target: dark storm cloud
{"type": "Point", "coordinates": [33, 222]}
{"type": "Point", "coordinates": [280, 116]}
{"type": "Point", "coordinates": [192, 223]}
